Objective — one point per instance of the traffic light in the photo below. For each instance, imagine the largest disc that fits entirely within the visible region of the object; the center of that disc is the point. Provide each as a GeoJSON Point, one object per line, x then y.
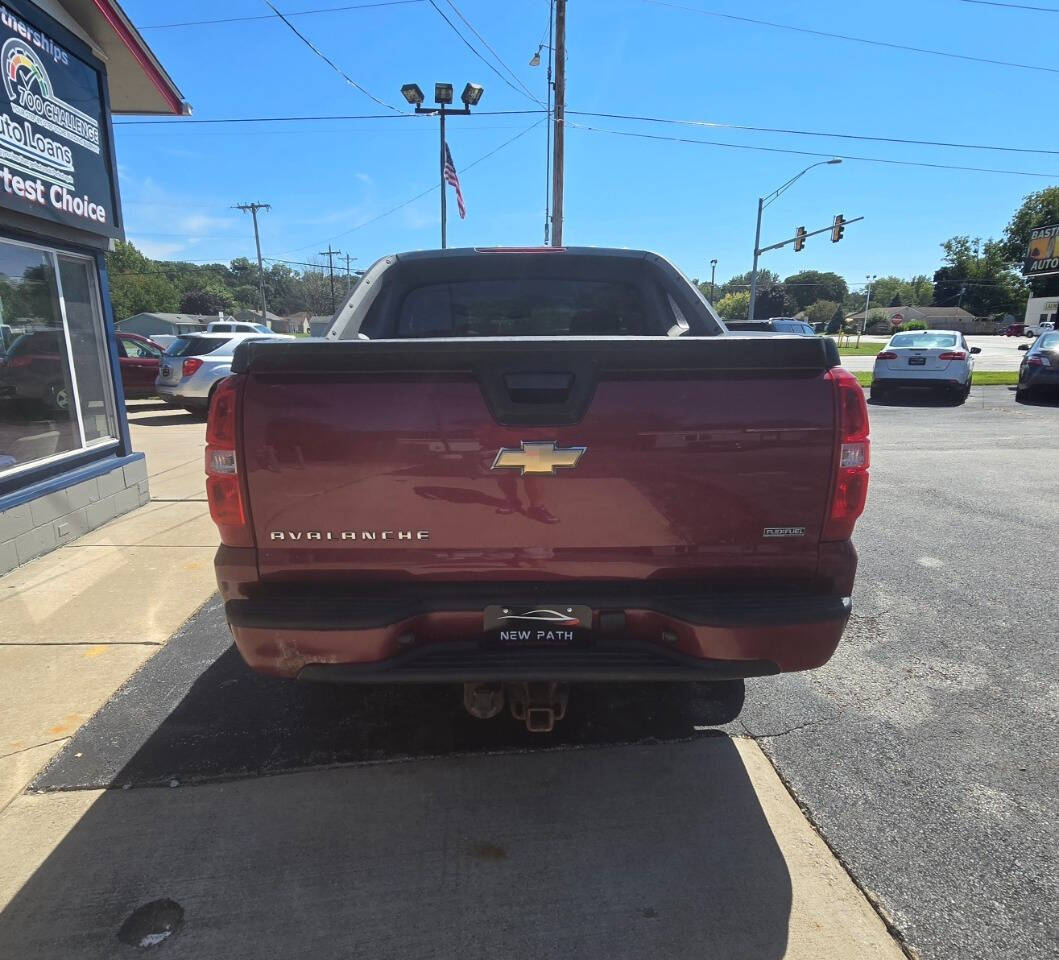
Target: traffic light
{"type": "Point", "coordinates": [838, 228]}
{"type": "Point", "coordinates": [799, 239]}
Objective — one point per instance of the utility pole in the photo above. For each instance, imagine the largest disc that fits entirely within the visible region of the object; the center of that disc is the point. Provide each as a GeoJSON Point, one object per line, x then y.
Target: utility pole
{"type": "Point", "coordinates": [331, 254]}
{"type": "Point", "coordinates": [867, 301]}
{"type": "Point", "coordinates": [253, 208]}
{"type": "Point", "coordinates": [560, 124]}
{"type": "Point", "coordinates": [348, 258]}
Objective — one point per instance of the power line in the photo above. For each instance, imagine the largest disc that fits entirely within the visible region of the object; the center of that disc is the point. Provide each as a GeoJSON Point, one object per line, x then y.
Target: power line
{"type": "Point", "coordinates": [273, 16]}
{"type": "Point", "coordinates": [400, 115]}
{"type": "Point", "coordinates": [470, 46]}
{"type": "Point", "coordinates": [180, 122]}
{"type": "Point", "coordinates": [842, 36]}
{"type": "Point", "coordinates": [329, 62]}
{"type": "Point", "coordinates": [810, 153]}
{"type": "Point", "coordinates": [485, 42]}
{"type": "Point", "coordinates": [811, 133]}
{"type": "Point", "coordinates": [420, 195]}
{"type": "Point", "coordinates": [1012, 6]}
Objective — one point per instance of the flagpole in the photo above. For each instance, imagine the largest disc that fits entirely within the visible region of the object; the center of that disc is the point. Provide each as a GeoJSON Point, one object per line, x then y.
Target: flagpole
{"type": "Point", "coordinates": [441, 113]}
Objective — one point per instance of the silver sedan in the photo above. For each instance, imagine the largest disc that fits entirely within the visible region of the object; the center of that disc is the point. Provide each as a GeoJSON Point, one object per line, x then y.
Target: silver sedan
{"type": "Point", "coordinates": [194, 364]}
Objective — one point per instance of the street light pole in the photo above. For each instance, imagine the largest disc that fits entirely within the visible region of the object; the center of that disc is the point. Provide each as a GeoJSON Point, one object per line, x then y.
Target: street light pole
{"type": "Point", "coordinates": [761, 204]}
{"type": "Point", "coordinates": [713, 276]}
{"type": "Point", "coordinates": [472, 93]}
{"type": "Point", "coordinates": [444, 198]}
{"type": "Point", "coordinates": [867, 302]}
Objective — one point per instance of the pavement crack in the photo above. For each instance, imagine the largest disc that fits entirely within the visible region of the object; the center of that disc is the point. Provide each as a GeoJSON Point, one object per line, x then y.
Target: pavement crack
{"type": "Point", "coordinates": [782, 733]}
{"type": "Point", "coordinates": [15, 753]}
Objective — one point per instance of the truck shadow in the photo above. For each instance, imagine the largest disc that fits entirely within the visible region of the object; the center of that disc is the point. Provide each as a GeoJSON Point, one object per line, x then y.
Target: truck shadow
{"type": "Point", "coordinates": [634, 851]}
{"type": "Point", "coordinates": [493, 842]}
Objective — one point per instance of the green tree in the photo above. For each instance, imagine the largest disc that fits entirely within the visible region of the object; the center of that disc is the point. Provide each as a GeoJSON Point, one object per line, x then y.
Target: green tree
{"type": "Point", "coordinates": [976, 276]}
{"type": "Point", "coordinates": [821, 311]}
{"type": "Point", "coordinates": [811, 285]}
{"type": "Point", "coordinates": [1039, 209]}
{"type": "Point", "coordinates": [837, 318]}
{"type": "Point", "coordinates": [212, 299]}
{"type": "Point", "coordinates": [734, 306]}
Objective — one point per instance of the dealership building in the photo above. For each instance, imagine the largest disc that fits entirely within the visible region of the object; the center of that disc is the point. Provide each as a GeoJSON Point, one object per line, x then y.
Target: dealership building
{"type": "Point", "coordinates": [66, 461]}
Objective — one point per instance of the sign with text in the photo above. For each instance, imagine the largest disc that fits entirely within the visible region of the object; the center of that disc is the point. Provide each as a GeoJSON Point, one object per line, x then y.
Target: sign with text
{"type": "Point", "coordinates": [1042, 255]}
{"type": "Point", "coordinates": [54, 160]}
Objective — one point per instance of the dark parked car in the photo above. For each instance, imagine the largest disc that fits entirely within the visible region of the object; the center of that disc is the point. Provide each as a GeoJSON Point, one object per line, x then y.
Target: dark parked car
{"type": "Point", "coordinates": [1039, 370]}
{"type": "Point", "coordinates": [35, 368]}
{"type": "Point", "coordinates": [773, 325]}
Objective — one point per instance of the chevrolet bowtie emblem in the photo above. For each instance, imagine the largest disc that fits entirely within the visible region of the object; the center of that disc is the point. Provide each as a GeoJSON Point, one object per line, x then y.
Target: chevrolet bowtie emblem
{"type": "Point", "coordinates": [537, 458]}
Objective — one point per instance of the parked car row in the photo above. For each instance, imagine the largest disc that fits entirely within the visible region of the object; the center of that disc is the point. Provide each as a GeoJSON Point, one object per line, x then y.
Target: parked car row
{"type": "Point", "coordinates": [34, 368]}
{"type": "Point", "coordinates": [183, 373]}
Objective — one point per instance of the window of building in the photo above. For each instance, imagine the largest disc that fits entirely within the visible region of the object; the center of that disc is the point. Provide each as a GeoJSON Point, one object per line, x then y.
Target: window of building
{"type": "Point", "coordinates": [56, 395]}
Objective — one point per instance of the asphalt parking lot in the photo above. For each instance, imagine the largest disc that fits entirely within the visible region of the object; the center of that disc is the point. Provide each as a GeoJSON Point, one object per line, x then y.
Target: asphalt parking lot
{"type": "Point", "coordinates": [924, 753]}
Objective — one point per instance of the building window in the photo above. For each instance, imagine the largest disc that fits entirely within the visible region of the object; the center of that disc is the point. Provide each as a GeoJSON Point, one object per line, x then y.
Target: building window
{"type": "Point", "coordinates": [56, 395]}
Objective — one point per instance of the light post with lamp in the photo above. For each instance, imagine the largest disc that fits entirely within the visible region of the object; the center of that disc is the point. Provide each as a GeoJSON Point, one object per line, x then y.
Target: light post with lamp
{"type": "Point", "coordinates": [472, 93]}
{"type": "Point", "coordinates": [761, 204]}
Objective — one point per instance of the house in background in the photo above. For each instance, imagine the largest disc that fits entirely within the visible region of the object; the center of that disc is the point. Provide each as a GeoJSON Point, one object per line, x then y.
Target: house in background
{"type": "Point", "coordinates": [294, 324]}
{"type": "Point", "coordinates": [935, 318]}
{"type": "Point", "coordinates": [318, 326]}
{"type": "Point", "coordinates": [165, 324]}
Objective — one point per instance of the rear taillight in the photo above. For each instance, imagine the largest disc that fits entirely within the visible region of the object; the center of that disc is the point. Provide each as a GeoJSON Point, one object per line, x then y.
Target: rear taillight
{"type": "Point", "coordinates": [886, 355]}
{"type": "Point", "coordinates": [852, 457]}
{"type": "Point", "coordinates": [224, 489]}
{"type": "Point", "coordinates": [1037, 360]}
{"type": "Point", "coordinates": [191, 364]}
{"type": "Point", "coordinates": [953, 355]}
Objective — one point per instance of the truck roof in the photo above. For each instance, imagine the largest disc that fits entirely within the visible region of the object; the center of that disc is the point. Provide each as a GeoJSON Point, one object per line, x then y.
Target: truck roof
{"type": "Point", "coordinates": [457, 252]}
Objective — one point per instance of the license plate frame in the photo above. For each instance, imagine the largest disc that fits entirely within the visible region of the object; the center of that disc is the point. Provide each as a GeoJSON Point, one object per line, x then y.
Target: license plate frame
{"type": "Point", "coordinates": [917, 361]}
{"type": "Point", "coordinates": [538, 625]}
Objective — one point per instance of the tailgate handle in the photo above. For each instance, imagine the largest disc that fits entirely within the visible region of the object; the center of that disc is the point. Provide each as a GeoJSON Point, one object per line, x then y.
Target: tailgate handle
{"type": "Point", "coordinates": [538, 387]}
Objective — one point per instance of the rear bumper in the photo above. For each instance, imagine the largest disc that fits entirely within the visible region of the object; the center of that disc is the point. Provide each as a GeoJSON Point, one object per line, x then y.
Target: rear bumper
{"type": "Point", "coordinates": [925, 382]}
{"type": "Point", "coordinates": [430, 633]}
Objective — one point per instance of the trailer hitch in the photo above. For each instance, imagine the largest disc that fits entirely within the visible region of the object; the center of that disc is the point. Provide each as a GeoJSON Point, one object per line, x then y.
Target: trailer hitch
{"type": "Point", "coordinates": [538, 705]}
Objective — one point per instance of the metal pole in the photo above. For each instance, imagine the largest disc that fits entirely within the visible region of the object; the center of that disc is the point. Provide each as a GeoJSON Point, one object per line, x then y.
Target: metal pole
{"type": "Point", "coordinates": [560, 126]}
{"type": "Point", "coordinates": [441, 114]}
{"type": "Point", "coordinates": [757, 252]}
{"type": "Point", "coordinates": [713, 276]}
{"type": "Point", "coordinates": [330, 254]}
{"type": "Point", "coordinates": [864, 322]}
{"type": "Point", "coordinates": [253, 208]}
{"type": "Point", "coordinates": [548, 125]}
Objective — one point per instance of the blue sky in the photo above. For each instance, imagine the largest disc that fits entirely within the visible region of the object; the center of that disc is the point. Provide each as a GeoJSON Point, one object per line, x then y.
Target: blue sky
{"type": "Point", "coordinates": [326, 179]}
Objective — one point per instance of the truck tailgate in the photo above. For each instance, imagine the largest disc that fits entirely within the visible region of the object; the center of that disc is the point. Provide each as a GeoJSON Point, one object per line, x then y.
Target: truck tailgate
{"type": "Point", "coordinates": [703, 458]}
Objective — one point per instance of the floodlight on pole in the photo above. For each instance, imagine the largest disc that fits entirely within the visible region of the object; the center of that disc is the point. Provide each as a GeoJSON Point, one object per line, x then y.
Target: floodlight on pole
{"type": "Point", "coordinates": [412, 93]}
{"type": "Point", "coordinates": [443, 93]}
{"type": "Point", "coordinates": [472, 93]}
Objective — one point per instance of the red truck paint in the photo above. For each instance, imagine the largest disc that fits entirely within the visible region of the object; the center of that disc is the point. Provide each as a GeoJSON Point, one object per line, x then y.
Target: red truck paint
{"type": "Point", "coordinates": [337, 485]}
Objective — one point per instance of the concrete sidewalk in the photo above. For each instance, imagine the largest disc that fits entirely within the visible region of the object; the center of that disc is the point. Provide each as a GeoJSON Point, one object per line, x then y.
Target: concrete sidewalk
{"type": "Point", "coordinates": [78, 622]}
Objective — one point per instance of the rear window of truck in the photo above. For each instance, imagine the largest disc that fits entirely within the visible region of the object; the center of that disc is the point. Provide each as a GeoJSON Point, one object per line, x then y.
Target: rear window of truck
{"type": "Point", "coordinates": [530, 307]}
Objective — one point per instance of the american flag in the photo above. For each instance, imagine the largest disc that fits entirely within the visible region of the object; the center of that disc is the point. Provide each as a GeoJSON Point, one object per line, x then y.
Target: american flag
{"type": "Point", "coordinates": [453, 180]}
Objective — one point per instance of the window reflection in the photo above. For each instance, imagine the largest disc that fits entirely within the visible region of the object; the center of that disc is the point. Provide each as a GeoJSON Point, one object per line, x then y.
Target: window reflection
{"type": "Point", "coordinates": [49, 361]}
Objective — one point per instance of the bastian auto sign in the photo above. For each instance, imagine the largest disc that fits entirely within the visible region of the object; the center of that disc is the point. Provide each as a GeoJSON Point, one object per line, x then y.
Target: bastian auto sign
{"type": "Point", "coordinates": [1042, 255]}
{"type": "Point", "coordinates": [54, 158]}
